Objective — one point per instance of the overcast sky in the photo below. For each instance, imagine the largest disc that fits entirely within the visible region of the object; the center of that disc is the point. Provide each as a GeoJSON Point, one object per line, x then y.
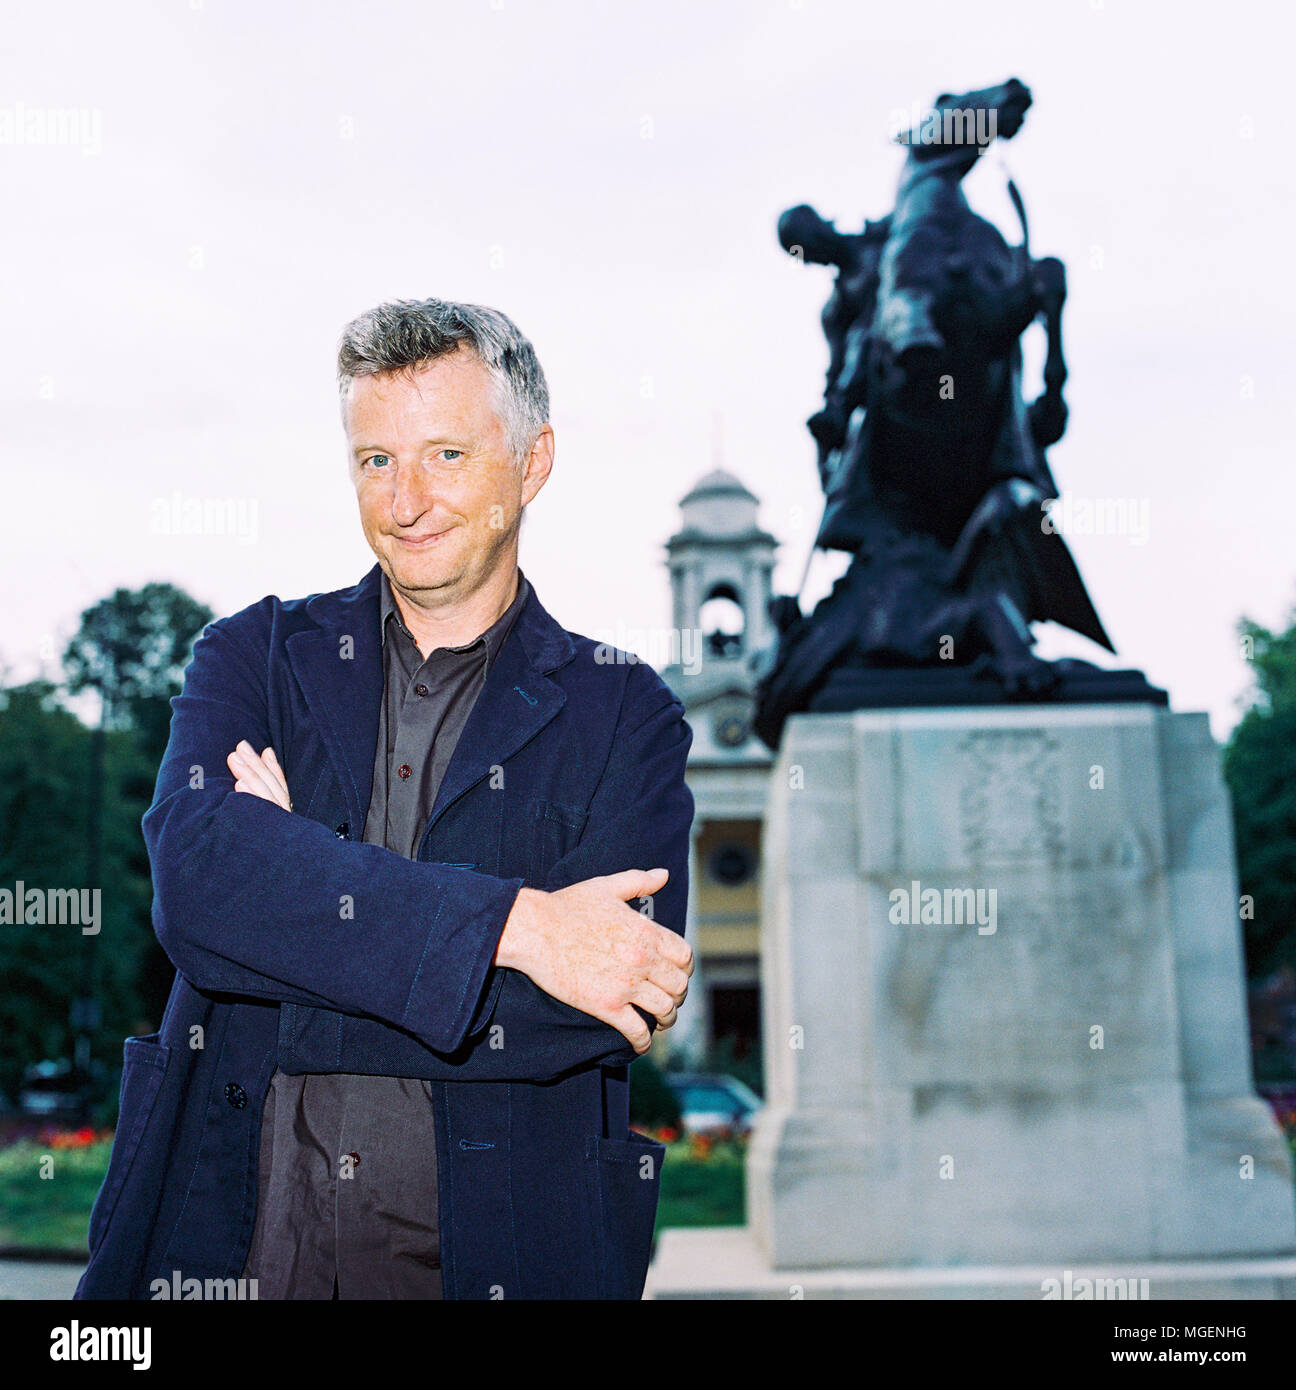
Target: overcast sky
{"type": "Point", "coordinates": [249, 176]}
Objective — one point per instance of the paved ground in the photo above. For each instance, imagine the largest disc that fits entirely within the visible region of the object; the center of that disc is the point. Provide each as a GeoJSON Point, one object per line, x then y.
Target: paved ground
{"type": "Point", "coordinates": [28, 1279]}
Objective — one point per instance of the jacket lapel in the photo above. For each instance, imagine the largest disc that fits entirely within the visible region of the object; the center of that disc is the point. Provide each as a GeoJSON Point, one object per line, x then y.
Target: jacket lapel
{"type": "Point", "coordinates": [516, 701]}
{"type": "Point", "coordinates": [338, 664]}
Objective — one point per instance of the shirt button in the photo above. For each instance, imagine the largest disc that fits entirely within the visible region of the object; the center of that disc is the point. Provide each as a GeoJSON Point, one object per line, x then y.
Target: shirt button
{"type": "Point", "coordinates": [403, 771]}
{"type": "Point", "coordinates": [420, 690]}
{"type": "Point", "coordinates": [236, 1095]}
{"type": "Point", "coordinates": [355, 1159]}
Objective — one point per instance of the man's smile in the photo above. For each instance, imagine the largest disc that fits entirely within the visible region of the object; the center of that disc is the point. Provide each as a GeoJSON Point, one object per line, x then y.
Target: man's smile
{"type": "Point", "coordinates": [427, 539]}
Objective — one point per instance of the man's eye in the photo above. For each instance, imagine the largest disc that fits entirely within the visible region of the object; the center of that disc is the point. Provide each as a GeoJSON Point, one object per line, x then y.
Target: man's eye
{"type": "Point", "coordinates": [452, 454]}
{"type": "Point", "coordinates": [378, 460]}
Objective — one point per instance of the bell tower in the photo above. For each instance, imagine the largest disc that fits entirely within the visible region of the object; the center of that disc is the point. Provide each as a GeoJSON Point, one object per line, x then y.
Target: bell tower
{"type": "Point", "coordinates": [720, 562]}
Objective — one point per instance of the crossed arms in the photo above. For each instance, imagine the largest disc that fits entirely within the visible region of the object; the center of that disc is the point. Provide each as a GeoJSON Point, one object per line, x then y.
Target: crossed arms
{"type": "Point", "coordinates": [247, 894]}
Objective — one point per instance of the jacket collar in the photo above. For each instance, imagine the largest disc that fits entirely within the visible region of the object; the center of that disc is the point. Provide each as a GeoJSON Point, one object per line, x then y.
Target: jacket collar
{"type": "Point", "coordinates": [338, 664]}
{"type": "Point", "coordinates": [547, 642]}
{"type": "Point", "coordinates": [491, 640]}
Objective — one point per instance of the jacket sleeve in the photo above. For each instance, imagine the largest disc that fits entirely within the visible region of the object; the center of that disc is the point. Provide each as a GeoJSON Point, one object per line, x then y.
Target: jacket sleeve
{"type": "Point", "coordinates": [640, 818]}
{"type": "Point", "coordinates": [250, 899]}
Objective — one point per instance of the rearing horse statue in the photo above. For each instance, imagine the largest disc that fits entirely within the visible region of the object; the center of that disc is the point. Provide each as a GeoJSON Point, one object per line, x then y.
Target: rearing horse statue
{"type": "Point", "coordinates": [931, 462]}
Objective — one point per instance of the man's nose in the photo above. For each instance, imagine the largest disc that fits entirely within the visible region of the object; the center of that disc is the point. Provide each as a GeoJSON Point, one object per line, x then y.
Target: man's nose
{"type": "Point", "coordinates": [413, 493]}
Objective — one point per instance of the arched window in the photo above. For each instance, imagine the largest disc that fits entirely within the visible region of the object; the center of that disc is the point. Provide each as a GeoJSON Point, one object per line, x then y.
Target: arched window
{"type": "Point", "coordinates": [723, 621]}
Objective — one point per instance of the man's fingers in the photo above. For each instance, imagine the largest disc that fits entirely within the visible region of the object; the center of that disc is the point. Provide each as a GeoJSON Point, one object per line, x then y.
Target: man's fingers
{"type": "Point", "coordinates": [672, 947]}
{"type": "Point", "coordinates": [244, 774]}
{"type": "Point", "coordinates": [631, 1027]}
{"type": "Point", "coordinates": [270, 762]}
{"type": "Point", "coordinates": [253, 771]}
{"type": "Point", "coordinates": [637, 883]}
{"type": "Point", "coordinates": [648, 996]}
{"type": "Point", "coordinates": [250, 769]}
{"type": "Point", "coordinates": [668, 1021]}
{"type": "Point", "coordinates": [672, 979]}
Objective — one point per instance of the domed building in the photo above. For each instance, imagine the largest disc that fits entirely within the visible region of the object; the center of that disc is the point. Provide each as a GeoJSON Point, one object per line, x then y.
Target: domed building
{"type": "Point", "coordinates": [720, 563]}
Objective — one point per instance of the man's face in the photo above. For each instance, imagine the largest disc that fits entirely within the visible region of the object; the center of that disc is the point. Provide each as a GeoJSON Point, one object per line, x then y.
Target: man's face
{"type": "Point", "coordinates": [440, 493]}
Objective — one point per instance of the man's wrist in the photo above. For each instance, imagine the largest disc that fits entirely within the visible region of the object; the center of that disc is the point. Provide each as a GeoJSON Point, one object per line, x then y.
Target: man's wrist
{"type": "Point", "coordinates": [515, 949]}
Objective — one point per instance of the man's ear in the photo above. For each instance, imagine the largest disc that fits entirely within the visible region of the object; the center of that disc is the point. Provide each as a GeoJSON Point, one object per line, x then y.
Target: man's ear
{"type": "Point", "coordinates": [539, 464]}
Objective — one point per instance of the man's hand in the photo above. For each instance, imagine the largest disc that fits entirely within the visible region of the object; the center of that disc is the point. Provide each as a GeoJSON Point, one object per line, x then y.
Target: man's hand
{"type": "Point", "coordinates": [261, 776]}
{"type": "Point", "coordinates": [584, 946]}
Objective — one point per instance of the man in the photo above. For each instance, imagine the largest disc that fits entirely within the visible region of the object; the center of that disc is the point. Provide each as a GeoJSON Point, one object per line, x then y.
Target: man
{"type": "Point", "coordinates": [396, 838]}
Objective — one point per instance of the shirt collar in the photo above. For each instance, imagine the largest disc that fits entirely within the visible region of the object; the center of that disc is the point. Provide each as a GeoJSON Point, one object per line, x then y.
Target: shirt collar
{"type": "Point", "coordinates": [494, 636]}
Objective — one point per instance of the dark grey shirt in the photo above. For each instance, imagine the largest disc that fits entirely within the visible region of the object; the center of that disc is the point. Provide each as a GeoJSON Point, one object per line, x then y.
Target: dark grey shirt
{"type": "Point", "coordinates": [347, 1178]}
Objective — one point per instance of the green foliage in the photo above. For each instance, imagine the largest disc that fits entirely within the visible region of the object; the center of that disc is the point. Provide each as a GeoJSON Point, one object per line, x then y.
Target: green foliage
{"type": "Point", "coordinates": [54, 794]}
{"type": "Point", "coordinates": [132, 648]}
{"type": "Point", "coordinates": [652, 1102]}
{"type": "Point", "coordinates": [1273, 659]}
{"type": "Point", "coordinates": [53, 1213]}
{"type": "Point", "coordinates": [697, 1191]}
{"type": "Point", "coordinates": [45, 757]}
{"type": "Point", "coordinates": [1260, 769]}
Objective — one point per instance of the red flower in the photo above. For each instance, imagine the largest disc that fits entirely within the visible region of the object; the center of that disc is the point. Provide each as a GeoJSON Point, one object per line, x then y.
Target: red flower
{"type": "Point", "coordinates": [68, 1138]}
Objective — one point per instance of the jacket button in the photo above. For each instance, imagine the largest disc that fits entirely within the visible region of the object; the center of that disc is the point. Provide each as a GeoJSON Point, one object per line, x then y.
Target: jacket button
{"type": "Point", "coordinates": [403, 771]}
{"type": "Point", "coordinates": [236, 1095]}
{"type": "Point", "coordinates": [343, 831]}
{"type": "Point", "coordinates": [420, 690]}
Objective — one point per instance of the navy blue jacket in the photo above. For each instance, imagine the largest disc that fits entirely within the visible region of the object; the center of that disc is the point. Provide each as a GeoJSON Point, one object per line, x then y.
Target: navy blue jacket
{"type": "Point", "coordinates": [299, 946]}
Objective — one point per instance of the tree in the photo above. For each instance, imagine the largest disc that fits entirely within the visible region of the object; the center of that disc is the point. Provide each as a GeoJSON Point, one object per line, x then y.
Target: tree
{"type": "Point", "coordinates": [1260, 769]}
{"type": "Point", "coordinates": [132, 648]}
{"type": "Point", "coordinates": [85, 808]}
{"type": "Point", "coordinates": [44, 753]}
{"type": "Point", "coordinates": [652, 1102]}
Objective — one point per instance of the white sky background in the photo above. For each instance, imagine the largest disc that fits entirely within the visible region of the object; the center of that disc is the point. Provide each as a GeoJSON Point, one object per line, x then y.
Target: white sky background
{"type": "Point", "coordinates": [610, 176]}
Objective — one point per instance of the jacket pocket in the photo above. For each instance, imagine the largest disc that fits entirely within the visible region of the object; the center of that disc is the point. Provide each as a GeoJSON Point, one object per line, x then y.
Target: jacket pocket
{"type": "Point", "coordinates": [144, 1065]}
{"type": "Point", "coordinates": [624, 1180]}
{"type": "Point", "coordinates": [555, 830]}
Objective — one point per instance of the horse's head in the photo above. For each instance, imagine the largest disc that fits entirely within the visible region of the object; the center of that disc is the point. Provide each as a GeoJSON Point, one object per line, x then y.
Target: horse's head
{"type": "Point", "coordinates": [970, 120]}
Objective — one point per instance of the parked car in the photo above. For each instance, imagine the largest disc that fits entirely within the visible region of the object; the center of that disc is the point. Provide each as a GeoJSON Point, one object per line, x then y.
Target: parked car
{"type": "Point", "coordinates": [714, 1102]}
{"type": "Point", "coordinates": [50, 1088]}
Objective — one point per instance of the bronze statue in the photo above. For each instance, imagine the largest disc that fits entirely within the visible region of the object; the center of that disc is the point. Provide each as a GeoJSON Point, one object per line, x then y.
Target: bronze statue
{"type": "Point", "coordinates": [931, 463]}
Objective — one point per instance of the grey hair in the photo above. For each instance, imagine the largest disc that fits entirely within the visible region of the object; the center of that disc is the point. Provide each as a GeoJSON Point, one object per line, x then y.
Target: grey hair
{"type": "Point", "coordinates": [405, 334]}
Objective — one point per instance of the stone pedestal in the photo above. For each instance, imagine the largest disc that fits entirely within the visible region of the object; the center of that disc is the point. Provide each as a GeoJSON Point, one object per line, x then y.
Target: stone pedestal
{"type": "Point", "coordinates": [1004, 1004]}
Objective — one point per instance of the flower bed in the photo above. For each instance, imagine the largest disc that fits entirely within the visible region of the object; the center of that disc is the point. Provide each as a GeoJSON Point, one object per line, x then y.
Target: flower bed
{"type": "Point", "coordinates": [48, 1185]}
{"type": "Point", "coordinates": [703, 1180]}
